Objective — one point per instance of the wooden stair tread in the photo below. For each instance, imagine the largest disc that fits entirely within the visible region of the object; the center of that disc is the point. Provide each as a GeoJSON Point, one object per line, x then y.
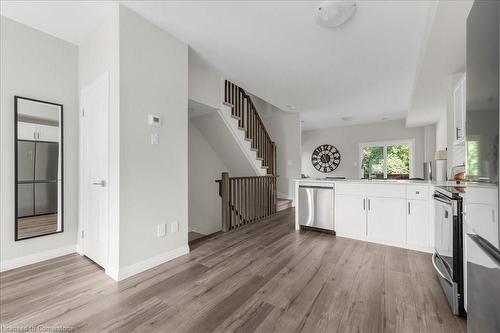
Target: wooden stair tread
{"type": "Point", "coordinates": [282, 204]}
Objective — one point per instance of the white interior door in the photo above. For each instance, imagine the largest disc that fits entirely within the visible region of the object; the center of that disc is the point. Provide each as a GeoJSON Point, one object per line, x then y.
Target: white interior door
{"type": "Point", "coordinates": [94, 118]}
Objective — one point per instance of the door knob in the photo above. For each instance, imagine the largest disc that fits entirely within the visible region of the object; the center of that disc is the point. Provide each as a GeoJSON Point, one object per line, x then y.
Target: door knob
{"type": "Point", "coordinates": [101, 183]}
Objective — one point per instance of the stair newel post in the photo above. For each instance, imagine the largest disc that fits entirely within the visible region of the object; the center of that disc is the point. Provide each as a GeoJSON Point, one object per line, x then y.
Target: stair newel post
{"type": "Point", "coordinates": [270, 157]}
{"type": "Point", "coordinates": [226, 213]}
{"type": "Point", "coordinates": [273, 158]}
{"type": "Point", "coordinates": [275, 193]}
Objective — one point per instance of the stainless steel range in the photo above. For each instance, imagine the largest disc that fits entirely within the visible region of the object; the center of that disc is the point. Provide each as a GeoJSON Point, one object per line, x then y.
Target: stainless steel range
{"type": "Point", "coordinates": [448, 246]}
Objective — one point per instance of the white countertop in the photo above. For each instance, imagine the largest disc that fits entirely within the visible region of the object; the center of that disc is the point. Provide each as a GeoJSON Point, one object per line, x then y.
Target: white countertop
{"type": "Point", "coordinates": [378, 181]}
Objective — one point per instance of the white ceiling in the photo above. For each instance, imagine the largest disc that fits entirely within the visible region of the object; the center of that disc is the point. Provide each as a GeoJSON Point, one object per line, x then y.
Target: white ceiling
{"type": "Point", "coordinates": [442, 56]}
{"type": "Point", "coordinates": [71, 21]}
{"type": "Point", "coordinates": [364, 69]}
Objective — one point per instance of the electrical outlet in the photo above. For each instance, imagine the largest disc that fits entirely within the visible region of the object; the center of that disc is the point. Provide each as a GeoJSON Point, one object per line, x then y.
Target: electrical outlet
{"type": "Point", "coordinates": [174, 226]}
{"type": "Point", "coordinates": [155, 139]}
{"type": "Point", "coordinates": [162, 230]}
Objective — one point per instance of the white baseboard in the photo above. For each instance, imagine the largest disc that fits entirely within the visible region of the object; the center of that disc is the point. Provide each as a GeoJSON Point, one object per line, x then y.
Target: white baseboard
{"type": "Point", "coordinates": [148, 263]}
{"type": "Point", "coordinates": [6, 265]}
{"type": "Point", "coordinates": [113, 273]}
{"type": "Point", "coordinates": [79, 249]}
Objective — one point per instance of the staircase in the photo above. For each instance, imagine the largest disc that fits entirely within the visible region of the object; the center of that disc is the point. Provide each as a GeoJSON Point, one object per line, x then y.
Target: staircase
{"type": "Point", "coordinates": [252, 197]}
{"type": "Point", "coordinates": [249, 122]}
{"type": "Point", "coordinates": [236, 132]}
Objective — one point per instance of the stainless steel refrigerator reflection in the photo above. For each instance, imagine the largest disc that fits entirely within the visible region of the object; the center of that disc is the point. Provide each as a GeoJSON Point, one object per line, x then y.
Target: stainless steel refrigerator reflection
{"type": "Point", "coordinates": [482, 249]}
{"type": "Point", "coordinates": [37, 169]}
{"type": "Point", "coordinates": [483, 259]}
{"type": "Point", "coordinates": [46, 170]}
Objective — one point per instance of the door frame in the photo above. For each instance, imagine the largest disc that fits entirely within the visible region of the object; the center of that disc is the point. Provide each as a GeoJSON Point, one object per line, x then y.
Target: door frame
{"type": "Point", "coordinates": [82, 202]}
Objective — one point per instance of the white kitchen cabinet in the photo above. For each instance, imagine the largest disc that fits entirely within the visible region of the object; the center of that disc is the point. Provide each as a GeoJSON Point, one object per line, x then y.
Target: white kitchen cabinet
{"type": "Point", "coordinates": [48, 133]}
{"type": "Point", "coordinates": [350, 218]}
{"type": "Point", "coordinates": [459, 94]}
{"type": "Point", "coordinates": [37, 132]}
{"type": "Point", "coordinates": [417, 224]}
{"type": "Point", "coordinates": [26, 131]}
{"type": "Point", "coordinates": [386, 220]}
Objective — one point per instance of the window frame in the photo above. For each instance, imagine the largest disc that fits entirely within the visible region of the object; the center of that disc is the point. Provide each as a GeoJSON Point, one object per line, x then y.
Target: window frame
{"type": "Point", "coordinates": [384, 144]}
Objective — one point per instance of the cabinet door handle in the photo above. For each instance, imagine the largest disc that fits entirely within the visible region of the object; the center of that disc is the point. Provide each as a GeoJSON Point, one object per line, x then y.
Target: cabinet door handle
{"type": "Point", "coordinates": [369, 204]}
{"type": "Point", "coordinates": [409, 208]}
{"type": "Point", "coordinates": [364, 204]}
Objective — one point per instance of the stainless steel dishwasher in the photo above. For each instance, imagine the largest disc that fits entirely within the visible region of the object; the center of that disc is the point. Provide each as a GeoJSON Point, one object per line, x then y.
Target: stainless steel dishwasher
{"type": "Point", "coordinates": [316, 206]}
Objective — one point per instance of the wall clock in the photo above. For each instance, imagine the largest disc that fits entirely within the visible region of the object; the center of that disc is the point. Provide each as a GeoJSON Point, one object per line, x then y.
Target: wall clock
{"type": "Point", "coordinates": [325, 158]}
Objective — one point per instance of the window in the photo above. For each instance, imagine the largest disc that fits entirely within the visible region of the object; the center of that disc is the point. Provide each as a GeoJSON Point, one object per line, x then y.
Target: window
{"type": "Point", "coordinates": [386, 160]}
{"type": "Point", "coordinates": [473, 151]}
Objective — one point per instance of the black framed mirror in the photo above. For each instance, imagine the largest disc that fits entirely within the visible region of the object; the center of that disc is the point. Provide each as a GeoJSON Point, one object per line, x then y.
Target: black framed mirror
{"type": "Point", "coordinates": [38, 129]}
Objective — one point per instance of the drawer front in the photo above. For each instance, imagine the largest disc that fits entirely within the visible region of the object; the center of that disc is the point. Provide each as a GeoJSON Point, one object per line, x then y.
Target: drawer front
{"type": "Point", "coordinates": [417, 192]}
{"type": "Point", "coordinates": [372, 190]}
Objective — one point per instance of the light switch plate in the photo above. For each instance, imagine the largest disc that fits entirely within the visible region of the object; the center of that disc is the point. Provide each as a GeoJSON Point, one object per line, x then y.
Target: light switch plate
{"type": "Point", "coordinates": [162, 230]}
{"type": "Point", "coordinates": [174, 226]}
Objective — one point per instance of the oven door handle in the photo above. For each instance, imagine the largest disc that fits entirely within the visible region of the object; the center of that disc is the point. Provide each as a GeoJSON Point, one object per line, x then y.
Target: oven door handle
{"type": "Point", "coordinates": [438, 198]}
{"type": "Point", "coordinates": [434, 256]}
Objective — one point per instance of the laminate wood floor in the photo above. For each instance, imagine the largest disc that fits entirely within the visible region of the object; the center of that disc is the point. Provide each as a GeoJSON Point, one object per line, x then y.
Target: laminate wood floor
{"type": "Point", "coordinates": [263, 277]}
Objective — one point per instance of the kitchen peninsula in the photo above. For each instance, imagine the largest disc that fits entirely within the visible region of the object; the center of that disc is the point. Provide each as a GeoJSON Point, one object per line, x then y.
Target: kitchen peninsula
{"type": "Point", "coordinates": [392, 212]}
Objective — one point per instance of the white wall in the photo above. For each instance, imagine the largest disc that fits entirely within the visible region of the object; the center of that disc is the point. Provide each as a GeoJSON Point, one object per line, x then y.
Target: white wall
{"type": "Point", "coordinates": [99, 53]}
{"type": "Point", "coordinates": [205, 166]}
{"type": "Point", "coordinates": [285, 130]}
{"type": "Point", "coordinates": [429, 143]}
{"type": "Point", "coordinates": [430, 146]}
{"type": "Point", "coordinates": [37, 65]}
{"type": "Point", "coordinates": [441, 133]}
{"type": "Point", "coordinates": [204, 81]}
{"type": "Point", "coordinates": [347, 139]}
{"type": "Point", "coordinates": [153, 178]}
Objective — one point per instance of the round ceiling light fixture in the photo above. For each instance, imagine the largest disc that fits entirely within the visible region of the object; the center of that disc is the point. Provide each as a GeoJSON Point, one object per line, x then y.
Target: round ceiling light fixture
{"type": "Point", "coordinates": [331, 14]}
